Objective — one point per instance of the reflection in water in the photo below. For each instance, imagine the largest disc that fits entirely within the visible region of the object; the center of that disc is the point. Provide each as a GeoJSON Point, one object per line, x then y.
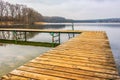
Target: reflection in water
{"type": "Point", "coordinates": [35, 26]}
{"type": "Point", "coordinates": [13, 35]}
{"type": "Point", "coordinates": [54, 26]}
{"type": "Point", "coordinates": [12, 56]}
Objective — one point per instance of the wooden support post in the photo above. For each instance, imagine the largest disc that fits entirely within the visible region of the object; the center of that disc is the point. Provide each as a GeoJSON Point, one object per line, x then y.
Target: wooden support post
{"type": "Point", "coordinates": [59, 37]}
{"type": "Point", "coordinates": [53, 40]}
{"type": "Point", "coordinates": [15, 34]}
{"type": "Point", "coordinates": [25, 36]}
{"type": "Point", "coordinates": [52, 34]}
{"type": "Point", "coordinates": [3, 34]}
{"type": "Point", "coordinates": [72, 26]}
{"type": "Point", "coordinates": [73, 29]}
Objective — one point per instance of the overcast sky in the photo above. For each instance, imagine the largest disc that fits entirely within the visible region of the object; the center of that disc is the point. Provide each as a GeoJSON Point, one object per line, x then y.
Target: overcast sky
{"type": "Point", "coordinates": [74, 9]}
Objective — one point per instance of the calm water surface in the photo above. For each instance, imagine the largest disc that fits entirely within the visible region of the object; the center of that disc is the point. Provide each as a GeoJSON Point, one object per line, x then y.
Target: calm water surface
{"type": "Point", "coordinates": [12, 56]}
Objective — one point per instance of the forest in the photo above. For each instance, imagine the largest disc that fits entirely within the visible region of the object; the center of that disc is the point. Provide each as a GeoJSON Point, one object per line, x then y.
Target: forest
{"type": "Point", "coordinates": [17, 14]}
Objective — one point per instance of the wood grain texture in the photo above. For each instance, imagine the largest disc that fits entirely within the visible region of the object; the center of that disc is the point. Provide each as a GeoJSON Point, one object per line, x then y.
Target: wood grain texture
{"type": "Point", "coordinates": [88, 56]}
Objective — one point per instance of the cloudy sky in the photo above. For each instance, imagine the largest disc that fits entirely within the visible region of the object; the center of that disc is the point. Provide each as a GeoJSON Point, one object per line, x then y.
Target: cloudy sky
{"type": "Point", "coordinates": [74, 9]}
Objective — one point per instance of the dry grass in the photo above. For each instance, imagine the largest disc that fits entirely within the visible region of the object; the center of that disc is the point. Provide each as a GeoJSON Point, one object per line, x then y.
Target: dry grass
{"type": "Point", "coordinates": [40, 23]}
{"type": "Point", "coordinates": [7, 23]}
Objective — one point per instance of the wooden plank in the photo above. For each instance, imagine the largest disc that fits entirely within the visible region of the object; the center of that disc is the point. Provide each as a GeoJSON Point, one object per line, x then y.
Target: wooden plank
{"type": "Point", "coordinates": [80, 60]}
{"type": "Point", "coordinates": [87, 67]}
{"type": "Point", "coordinates": [83, 57]}
{"type": "Point", "coordinates": [71, 70]}
{"type": "Point", "coordinates": [77, 62]}
{"type": "Point", "coordinates": [81, 54]}
{"type": "Point", "coordinates": [61, 50]}
{"type": "Point", "coordinates": [13, 77]}
{"type": "Point", "coordinates": [34, 75]}
{"type": "Point", "coordinates": [72, 53]}
{"type": "Point", "coordinates": [39, 30]}
{"type": "Point", "coordinates": [57, 73]}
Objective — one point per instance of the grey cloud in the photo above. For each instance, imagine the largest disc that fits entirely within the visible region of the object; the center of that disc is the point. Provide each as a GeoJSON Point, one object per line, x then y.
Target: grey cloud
{"type": "Point", "coordinates": [47, 2]}
{"type": "Point", "coordinates": [76, 9]}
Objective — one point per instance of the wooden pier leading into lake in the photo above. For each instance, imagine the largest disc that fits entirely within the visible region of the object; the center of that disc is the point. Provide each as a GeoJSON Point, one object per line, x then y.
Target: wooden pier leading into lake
{"type": "Point", "coordinates": [17, 36]}
{"type": "Point", "coordinates": [87, 56]}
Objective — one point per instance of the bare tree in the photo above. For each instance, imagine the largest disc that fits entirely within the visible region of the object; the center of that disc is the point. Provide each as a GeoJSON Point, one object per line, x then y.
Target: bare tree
{"type": "Point", "coordinates": [1, 10]}
{"type": "Point", "coordinates": [18, 14]}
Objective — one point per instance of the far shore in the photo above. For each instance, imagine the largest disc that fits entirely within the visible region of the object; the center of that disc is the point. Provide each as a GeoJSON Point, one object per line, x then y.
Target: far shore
{"type": "Point", "coordinates": [10, 23]}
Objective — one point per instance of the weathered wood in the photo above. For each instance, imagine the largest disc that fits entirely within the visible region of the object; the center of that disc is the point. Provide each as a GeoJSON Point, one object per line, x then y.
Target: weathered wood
{"type": "Point", "coordinates": [40, 30]}
{"type": "Point", "coordinates": [32, 75]}
{"type": "Point", "coordinates": [61, 74]}
{"type": "Point", "coordinates": [85, 57]}
{"type": "Point", "coordinates": [65, 64]}
{"type": "Point", "coordinates": [82, 60]}
{"type": "Point", "coordinates": [77, 63]}
{"type": "Point", "coordinates": [13, 77]}
{"type": "Point", "coordinates": [71, 70]}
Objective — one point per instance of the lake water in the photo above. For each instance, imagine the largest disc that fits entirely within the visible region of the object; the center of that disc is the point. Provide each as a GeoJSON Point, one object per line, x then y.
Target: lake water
{"type": "Point", "coordinates": [12, 56]}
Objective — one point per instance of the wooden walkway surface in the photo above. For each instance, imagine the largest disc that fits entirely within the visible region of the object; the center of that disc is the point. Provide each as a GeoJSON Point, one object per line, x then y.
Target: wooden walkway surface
{"type": "Point", "coordinates": [85, 57]}
{"type": "Point", "coordinates": [41, 30]}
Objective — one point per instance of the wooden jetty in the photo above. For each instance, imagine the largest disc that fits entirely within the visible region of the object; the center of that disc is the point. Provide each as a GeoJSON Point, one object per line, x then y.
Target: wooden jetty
{"type": "Point", "coordinates": [55, 34]}
{"type": "Point", "coordinates": [87, 56]}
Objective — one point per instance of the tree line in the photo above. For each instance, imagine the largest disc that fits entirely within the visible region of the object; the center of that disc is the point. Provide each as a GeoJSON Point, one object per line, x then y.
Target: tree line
{"type": "Point", "coordinates": [18, 14]}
